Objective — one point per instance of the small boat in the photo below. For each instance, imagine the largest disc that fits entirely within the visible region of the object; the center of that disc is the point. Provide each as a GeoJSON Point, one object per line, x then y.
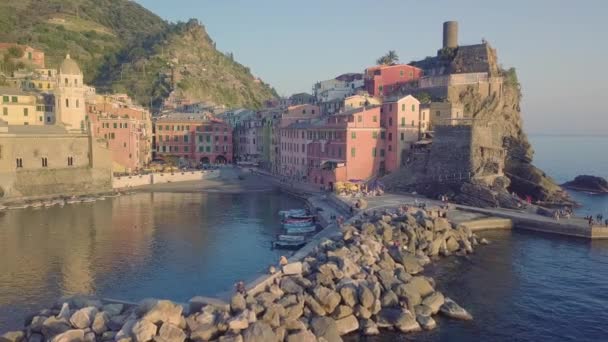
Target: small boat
{"type": "Point", "coordinates": [88, 199]}
{"type": "Point", "coordinates": [36, 204]}
{"type": "Point", "coordinates": [287, 213]}
{"type": "Point", "coordinates": [301, 230]}
{"type": "Point", "coordinates": [297, 224]}
{"type": "Point", "coordinates": [288, 244]}
{"type": "Point", "coordinates": [300, 217]}
{"type": "Point", "coordinates": [292, 238]}
{"type": "Point", "coordinates": [17, 206]}
{"type": "Point", "coordinates": [72, 200]}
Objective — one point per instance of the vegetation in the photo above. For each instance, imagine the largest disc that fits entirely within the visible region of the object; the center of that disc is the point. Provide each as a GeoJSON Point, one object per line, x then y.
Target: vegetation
{"type": "Point", "coordinates": [121, 46]}
{"type": "Point", "coordinates": [424, 97]}
{"type": "Point", "coordinates": [390, 58]}
{"type": "Point", "coordinates": [447, 53]}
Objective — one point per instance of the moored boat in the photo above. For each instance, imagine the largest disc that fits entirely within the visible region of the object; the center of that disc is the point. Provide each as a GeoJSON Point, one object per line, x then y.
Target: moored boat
{"type": "Point", "coordinates": [294, 238]}
{"type": "Point", "coordinates": [287, 213]}
{"type": "Point", "coordinates": [301, 230]}
{"type": "Point", "coordinates": [290, 224]}
{"type": "Point", "coordinates": [288, 244]}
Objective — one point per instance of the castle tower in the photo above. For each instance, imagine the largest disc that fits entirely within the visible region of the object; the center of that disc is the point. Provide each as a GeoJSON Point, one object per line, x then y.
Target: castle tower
{"type": "Point", "coordinates": [450, 34]}
{"type": "Point", "coordinates": [70, 109]}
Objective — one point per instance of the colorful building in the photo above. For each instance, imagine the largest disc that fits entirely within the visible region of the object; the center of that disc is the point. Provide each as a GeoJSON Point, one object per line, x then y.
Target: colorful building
{"type": "Point", "coordinates": [403, 123]}
{"type": "Point", "coordinates": [22, 108]}
{"type": "Point", "coordinates": [193, 139]}
{"type": "Point", "coordinates": [29, 55]}
{"type": "Point", "coordinates": [383, 80]}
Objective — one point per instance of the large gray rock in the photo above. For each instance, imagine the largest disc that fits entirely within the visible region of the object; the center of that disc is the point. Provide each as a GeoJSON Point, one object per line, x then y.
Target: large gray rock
{"type": "Point", "coordinates": [289, 286]}
{"type": "Point", "coordinates": [89, 337]}
{"type": "Point", "coordinates": [389, 300]}
{"type": "Point", "coordinates": [143, 330]}
{"type": "Point", "coordinates": [453, 310]}
{"type": "Point", "coordinates": [75, 335]}
{"type": "Point", "coordinates": [127, 328]}
{"type": "Point", "coordinates": [366, 297]}
{"type": "Point", "coordinates": [259, 332]}
{"type": "Point", "coordinates": [36, 323]}
{"type": "Point", "coordinates": [204, 332]}
{"type": "Point", "coordinates": [420, 285]}
{"type": "Point", "coordinates": [100, 323]}
{"type": "Point", "coordinates": [65, 312]}
{"type": "Point", "coordinates": [349, 295]}
{"type": "Point", "coordinates": [342, 311]}
{"type": "Point", "coordinates": [347, 324]}
{"type": "Point", "coordinates": [161, 311]}
{"type": "Point", "coordinates": [171, 333]}
{"type": "Point", "coordinates": [239, 322]}
{"type": "Point", "coordinates": [294, 311]}
{"type": "Point", "coordinates": [113, 309]}
{"type": "Point", "coordinates": [369, 327]}
{"type": "Point", "coordinates": [434, 302]}
{"type": "Point", "coordinates": [13, 336]}
{"type": "Point", "coordinates": [426, 322]}
{"type": "Point", "coordinates": [409, 261]}
{"type": "Point", "coordinates": [314, 306]}
{"type": "Point", "coordinates": [301, 336]}
{"type": "Point", "coordinates": [329, 299]}
{"type": "Point", "coordinates": [53, 326]}
{"type": "Point", "coordinates": [403, 320]}
{"type": "Point", "coordinates": [273, 315]}
{"type": "Point", "coordinates": [238, 303]}
{"type": "Point", "coordinates": [83, 318]}
{"type": "Point", "coordinates": [292, 268]}
{"type": "Point", "coordinates": [325, 327]}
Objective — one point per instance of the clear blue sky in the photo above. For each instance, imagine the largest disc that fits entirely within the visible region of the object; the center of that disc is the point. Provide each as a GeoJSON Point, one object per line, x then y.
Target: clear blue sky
{"type": "Point", "coordinates": [559, 47]}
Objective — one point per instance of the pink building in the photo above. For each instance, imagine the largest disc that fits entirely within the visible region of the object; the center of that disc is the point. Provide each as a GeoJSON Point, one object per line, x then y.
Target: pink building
{"type": "Point", "coordinates": [403, 124]}
{"type": "Point", "coordinates": [293, 139]}
{"type": "Point", "coordinates": [382, 80]}
{"type": "Point", "coordinates": [194, 138]}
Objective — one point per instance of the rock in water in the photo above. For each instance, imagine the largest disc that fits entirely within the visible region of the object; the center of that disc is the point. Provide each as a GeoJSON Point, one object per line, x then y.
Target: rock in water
{"type": "Point", "coordinates": [76, 335]}
{"type": "Point", "coordinates": [12, 336]}
{"type": "Point", "coordinates": [161, 311]}
{"type": "Point", "coordinates": [326, 328]}
{"type": "Point", "coordinates": [53, 326]}
{"type": "Point", "coordinates": [143, 330]}
{"type": "Point", "coordinates": [588, 183]}
{"type": "Point", "coordinates": [426, 322]}
{"type": "Point", "coordinates": [259, 332]}
{"type": "Point", "coordinates": [171, 333]}
{"type": "Point", "coordinates": [238, 303]}
{"type": "Point", "coordinates": [113, 309]}
{"type": "Point", "coordinates": [453, 310]}
{"type": "Point", "coordinates": [434, 302]}
{"type": "Point", "coordinates": [100, 323]}
{"type": "Point", "coordinates": [293, 268]}
{"type": "Point", "coordinates": [84, 317]}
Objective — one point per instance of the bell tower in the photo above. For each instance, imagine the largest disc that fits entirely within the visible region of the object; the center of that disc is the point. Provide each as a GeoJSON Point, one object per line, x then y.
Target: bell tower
{"type": "Point", "coordinates": [70, 106]}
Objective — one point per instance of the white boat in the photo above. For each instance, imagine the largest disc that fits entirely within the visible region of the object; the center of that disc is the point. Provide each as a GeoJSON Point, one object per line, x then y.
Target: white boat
{"type": "Point", "coordinates": [88, 199]}
{"type": "Point", "coordinates": [292, 238]}
{"type": "Point", "coordinates": [17, 206]}
{"type": "Point", "coordinates": [288, 244]}
{"type": "Point", "coordinates": [72, 201]}
{"type": "Point", "coordinates": [286, 213]}
{"type": "Point", "coordinates": [301, 230]}
{"type": "Point", "coordinates": [36, 204]}
{"type": "Point", "coordinates": [298, 224]}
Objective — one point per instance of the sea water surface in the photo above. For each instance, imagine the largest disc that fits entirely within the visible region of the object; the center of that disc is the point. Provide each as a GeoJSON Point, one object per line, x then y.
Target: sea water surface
{"type": "Point", "coordinates": [163, 245]}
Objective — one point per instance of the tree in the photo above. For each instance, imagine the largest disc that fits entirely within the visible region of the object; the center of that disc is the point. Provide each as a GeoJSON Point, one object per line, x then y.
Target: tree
{"type": "Point", "coordinates": [390, 58]}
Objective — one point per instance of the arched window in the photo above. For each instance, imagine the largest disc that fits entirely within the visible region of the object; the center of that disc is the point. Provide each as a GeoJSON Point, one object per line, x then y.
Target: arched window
{"type": "Point", "coordinates": [67, 103]}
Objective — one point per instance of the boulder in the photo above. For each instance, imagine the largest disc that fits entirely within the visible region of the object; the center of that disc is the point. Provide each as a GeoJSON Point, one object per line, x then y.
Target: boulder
{"type": "Point", "coordinates": [273, 315]}
{"type": "Point", "coordinates": [64, 312]}
{"type": "Point", "coordinates": [289, 286]}
{"type": "Point", "coordinates": [89, 337]}
{"type": "Point", "coordinates": [171, 333]}
{"type": "Point", "coordinates": [452, 244]}
{"type": "Point", "coordinates": [434, 302]}
{"type": "Point", "coordinates": [389, 300]}
{"type": "Point", "coordinates": [13, 336]}
{"type": "Point", "coordinates": [143, 330]}
{"type": "Point", "coordinates": [409, 261]}
{"type": "Point", "coordinates": [426, 322]}
{"type": "Point", "coordinates": [301, 336]}
{"type": "Point", "coordinates": [329, 299]}
{"type": "Point", "coordinates": [294, 312]}
{"type": "Point", "coordinates": [347, 324]}
{"type": "Point", "coordinates": [83, 318]}
{"type": "Point", "coordinates": [74, 335]}
{"type": "Point", "coordinates": [314, 306]}
{"type": "Point", "coordinates": [276, 291]}
{"type": "Point", "coordinates": [100, 323]}
{"type": "Point", "coordinates": [453, 310]}
{"type": "Point", "coordinates": [420, 285]}
{"type": "Point", "coordinates": [369, 327]}
{"type": "Point", "coordinates": [160, 311]}
{"type": "Point", "coordinates": [366, 297]}
{"type": "Point", "coordinates": [292, 268]}
{"type": "Point", "coordinates": [325, 327]}
{"type": "Point", "coordinates": [422, 310]}
{"type": "Point", "coordinates": [204, 332]}
{"type": "Point", "coordinates": [113, 309]}
{"type": "Point", "coordinates": [342, 311]}
{"type": "Point", "coordinates": [36, 323]}
{"type": "Point", "coordinates": [410, 294]}
{"type": "Point", "coordinates": [288, 300]}
{"type": "Point", "coordinates": [237, 303]}
{"type": "Point", "coordinates": [402, 275]}
{"type": "Point", "coordinates": [53, 326]}
{"type": "Point", "coordinates": [403, 320]}
{"type": "Point", "coordinates": [35, 338]}
{"type": "Point", "coordinates": [231, 338]}
{"type": "Point", "coordinates": [259, 332]}
{"type": "Point", "coordinates": [108, 336]}
{"type": "Point", "coordinates": [349, 295]}
{"type": "Point", "coordinates": [125, 332]}
{"type": "Point", "coordinates": [240, 321]}
{"type": "Point", "coordinates": [362, 312]}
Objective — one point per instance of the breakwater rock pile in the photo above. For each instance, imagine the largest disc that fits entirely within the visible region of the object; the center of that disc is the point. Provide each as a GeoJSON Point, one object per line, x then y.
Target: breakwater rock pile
{"type": "Point", "coordinates": [367, 279]}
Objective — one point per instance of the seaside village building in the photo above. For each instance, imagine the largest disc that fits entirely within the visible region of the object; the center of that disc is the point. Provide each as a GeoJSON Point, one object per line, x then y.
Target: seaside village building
{"type": "Point", "coordinates": [46, 145]}
{"type": "Point", "coordinates": [193, 139]}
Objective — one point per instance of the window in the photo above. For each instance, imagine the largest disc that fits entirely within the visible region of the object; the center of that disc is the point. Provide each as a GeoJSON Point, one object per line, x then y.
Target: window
{"type": "Point", "coordinates": [77, 103]}
{"type": "Point", "coordinates": [124, 144]}
{"type": "Point", "coordinates": [186, 149]}
{"type": "Point", "coordinates": [70, 161]}
{"type": "Point", "coordinates": [353, 135]}
{"type": "Point", "coordinates": [339, 151]}
{"type": "Point", "coordinates": [5, 111]}
{"type": "Point", "coordinates": [160, 128]}
{"type": "Point", "coordinates": [14, 99]}
{"type": "Point", "coordinates": [201, 149]}
{"type": "Point", "coordinates": [380, 88]}
{"type": "Point", "coordinates": [115, 125]}
{"type": "Point", "coordinates": [403, 122]}
{"type": "Point", "coordinates": [413, 108]}
{"type": "Point", "coordinates": [302, 134]}
{"type": "Point", "coordinates": [402, 136]}
{"type": "Point", "coordinates": [19, 162]}
{"type": "Point", "coordinates": [66, 81]}
{"type": "Point", "coordinates": [208, 148]}
{"type": "Point", "coordinates": [375, 135]}
{"type": "Point", "coordinates": [45, 162]}
{"type": "Point", "coordinates": [390, 137]}
{"type": "Point", "coordinates": [381, 152]}
{"type": "Point", "coordinates": [375, 118]}
{"type": "Point", "coordinates": [217, 138]}
{"type": "Point", "coordinates": [437, 113]}
{"type": "Point", "coordinates": [166, 127]}
{"type": "Point", "coordinates": [403, 107]}
{"type": "Point", "coordinates": [303, 148]}
{"type": "Point", "coordinates": [382, 135]}
{"type": "Point", "coordinates": [112, 136]}
{"type": "Point", "coordinates": [67, 103]}
{"type": "Point", "coordinates": [5, 99]}
{"type": "Point", "coordinates": [401, 73]}
{"type": "Point", "coordinates": [412, 123]}
{"type": "Point", "coordinates": [352, 152]}
{"type": "Point", "coordinates": [75, 81]}
{"type": "Point", "coordinates": [390, 121]}
{"type": "Point", "coordinates": [160, 138]}
{"type": "Point", "coordinates": [313, 111]}
{"type": "Point", "coordinates": [373, 152]}
{"type": "Point", "coordinates": [187, 128]}
{"type": "Point", "coordinates": [185, 138]}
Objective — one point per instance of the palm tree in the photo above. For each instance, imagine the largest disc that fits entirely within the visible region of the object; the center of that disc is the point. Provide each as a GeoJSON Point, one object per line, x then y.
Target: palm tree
{"type": "Point", "coordinates": [390, 58]}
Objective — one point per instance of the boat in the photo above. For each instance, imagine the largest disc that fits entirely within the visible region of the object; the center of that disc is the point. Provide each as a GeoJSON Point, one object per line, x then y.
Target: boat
{"type": "Point", "coordinates": [301, 230]}
{"type": "Point", "coordinates": [289, 224]}
{"type": "Point", "coordinates": [287, 213]}
{"type": "Point", "coordinates": [288, 244]}
{"type": "Point", "coordinates": [88, 199]}
{"type": "Point", "coordinates": [291, 238]}
{"type": "Point", "coordinates": [300, 217]}
{"type": "Point", "coordinates": [36, 204]}
{"type": "Point", "coordinates": [72, 200]}
{"type": "Point", "coordinates": [17, 206]}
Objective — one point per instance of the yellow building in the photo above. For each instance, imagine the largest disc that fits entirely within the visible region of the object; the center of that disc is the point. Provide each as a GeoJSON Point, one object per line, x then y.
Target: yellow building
{"type": "Point", "coordinates": [21, 108]}
{"type": "Point", "coordinates": [446, 114]}
{"type": "Point", "coordinates": [360, 100]}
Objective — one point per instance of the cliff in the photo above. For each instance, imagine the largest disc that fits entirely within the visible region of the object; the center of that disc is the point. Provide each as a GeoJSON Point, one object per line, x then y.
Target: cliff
{"type": "Point", "coordinates": [121, 46]}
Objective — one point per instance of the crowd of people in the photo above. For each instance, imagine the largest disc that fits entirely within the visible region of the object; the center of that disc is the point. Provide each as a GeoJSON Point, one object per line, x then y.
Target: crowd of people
{"type": "Point", "coordinates": [599, 219]}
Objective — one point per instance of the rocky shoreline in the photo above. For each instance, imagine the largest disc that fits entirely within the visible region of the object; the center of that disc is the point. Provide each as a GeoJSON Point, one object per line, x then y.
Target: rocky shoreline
{"type": "Point", "coordinates": [365, 280]}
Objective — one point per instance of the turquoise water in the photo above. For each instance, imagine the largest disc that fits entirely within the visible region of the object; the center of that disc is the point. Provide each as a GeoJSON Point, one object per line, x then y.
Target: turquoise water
{"type": "Point", "coordinates": [160, 245]}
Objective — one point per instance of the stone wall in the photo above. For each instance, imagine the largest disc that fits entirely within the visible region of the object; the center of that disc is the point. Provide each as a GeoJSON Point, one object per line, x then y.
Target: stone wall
{"type": "Point", "coordinates": [451, 151]}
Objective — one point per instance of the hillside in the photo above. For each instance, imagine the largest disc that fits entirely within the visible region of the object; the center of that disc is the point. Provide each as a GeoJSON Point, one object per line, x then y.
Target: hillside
{"type": "Point", "coordinates": [114, 37]}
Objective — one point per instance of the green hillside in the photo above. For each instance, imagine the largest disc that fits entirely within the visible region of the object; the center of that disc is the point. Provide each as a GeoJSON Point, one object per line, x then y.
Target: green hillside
{"type": "Point", "coordinates": [124, 47]}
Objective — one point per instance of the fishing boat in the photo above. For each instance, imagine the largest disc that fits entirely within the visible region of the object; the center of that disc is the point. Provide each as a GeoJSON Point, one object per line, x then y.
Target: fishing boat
{"type": "Point", "coordinates": [301, 230]}
{"type": "Point", "coordinates": [294, 238]}
{"type": "Point", "coordinates": [288, 244]}
{"type": "Point", "coordinates": [287, 213]}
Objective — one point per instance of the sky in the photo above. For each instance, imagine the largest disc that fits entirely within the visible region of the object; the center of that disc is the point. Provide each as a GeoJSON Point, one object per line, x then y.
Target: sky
{"type": "Point", "coordinates": [558, 47]}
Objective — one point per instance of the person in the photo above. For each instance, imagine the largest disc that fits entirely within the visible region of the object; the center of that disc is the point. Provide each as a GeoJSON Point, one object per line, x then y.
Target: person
{"type": "Point", "coordinates": [240, 287]}
{"type": "Point", "coordinates": [283, 261]}
{"type": "Point", "coordinates": [590, 220]}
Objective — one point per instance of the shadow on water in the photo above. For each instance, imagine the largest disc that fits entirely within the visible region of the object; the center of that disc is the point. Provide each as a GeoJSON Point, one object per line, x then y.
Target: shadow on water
{"type": "Point", "coordinates": [165, 245]}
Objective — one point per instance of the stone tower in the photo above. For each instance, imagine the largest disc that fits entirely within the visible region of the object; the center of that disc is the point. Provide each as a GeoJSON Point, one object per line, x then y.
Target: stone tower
{"type": "Point", "coordinates": [70, 109]}
{"type": "Point", "coordinates": [450, 34]}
